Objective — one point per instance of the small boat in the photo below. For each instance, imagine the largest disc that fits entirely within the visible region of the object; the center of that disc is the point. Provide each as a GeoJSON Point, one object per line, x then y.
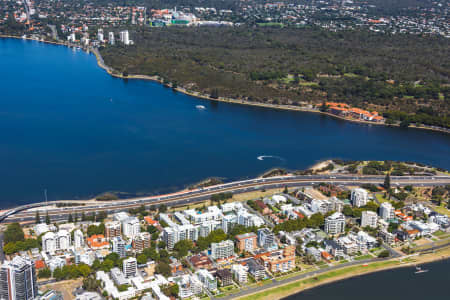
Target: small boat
{"type": "Point", "coordinates": [420, 270]}
{"type": "Point", "coordinates": [200, 107]}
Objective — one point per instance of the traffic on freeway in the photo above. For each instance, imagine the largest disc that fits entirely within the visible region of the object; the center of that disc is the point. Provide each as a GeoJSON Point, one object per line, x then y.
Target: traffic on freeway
{"type": "Point", "coordinates": [22, 213]}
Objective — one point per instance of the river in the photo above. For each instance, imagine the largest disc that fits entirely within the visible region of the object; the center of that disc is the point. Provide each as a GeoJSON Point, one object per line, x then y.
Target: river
{"type": "Point", "coordinates": [69, 127]}
{"type": "Point", "coordinates": [396, 284]}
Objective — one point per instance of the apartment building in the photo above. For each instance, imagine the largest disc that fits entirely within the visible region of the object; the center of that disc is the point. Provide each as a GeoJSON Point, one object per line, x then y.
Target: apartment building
{"type": "Point", "coordinates": [112, 229]}
{"type": "Point", "coordinates": [130, 267]}
{"type": "Point", "coordinates": [246, 242]}
{"type": "Point", "coordinates": [335, 223]}
{"type": "Point", "coordinates": [141, 241]}
{"type": "Point", "coordinates": [131, 227]}
{"type": "Point", "coordinates": [18, 279]}
{"type": "Point", "coordinates": [207, 279]}
{"type": "Point", "coordinates": [387, 211]}
{"type": "Point", "coordinates": [222, 250]}
{"type": "Point", "coordinates": [359, 197]}
{"type": "Point", "coordinates": [266, 239]}
{"type": "Point", "coordinates": [369, 218]}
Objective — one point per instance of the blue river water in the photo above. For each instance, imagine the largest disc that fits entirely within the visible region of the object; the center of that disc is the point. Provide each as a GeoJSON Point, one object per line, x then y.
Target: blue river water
{"type": "Point", "coordinates": [396, 284]}
{"type": "Point", "coordinates": [69, 127]}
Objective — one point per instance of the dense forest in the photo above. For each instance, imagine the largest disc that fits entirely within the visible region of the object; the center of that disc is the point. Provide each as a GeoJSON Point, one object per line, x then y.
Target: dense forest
{"type": "Point", "coordinates": [402, 73]}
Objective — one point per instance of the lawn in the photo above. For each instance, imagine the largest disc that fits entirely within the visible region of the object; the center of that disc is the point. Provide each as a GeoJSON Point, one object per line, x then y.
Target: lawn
{"type": "Point", "coordinates": [381, 198]}
{"type": "Point", "coordinates": [308, 83]}
{"type": "Point", "coordinates": [442, 210]}
{"type": "Point", "coordinates": [367, 256]}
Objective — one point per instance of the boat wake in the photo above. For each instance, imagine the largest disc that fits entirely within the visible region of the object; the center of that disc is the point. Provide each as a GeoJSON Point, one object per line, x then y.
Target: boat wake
{"type": "Point", "coordinates": [263, 157]}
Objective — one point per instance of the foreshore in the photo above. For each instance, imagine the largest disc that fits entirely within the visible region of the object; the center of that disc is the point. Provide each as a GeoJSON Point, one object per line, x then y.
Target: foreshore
{"type": "Point", "coordinates": [332, 276]}
{"type": "Point", "coordinates": [111, 72]}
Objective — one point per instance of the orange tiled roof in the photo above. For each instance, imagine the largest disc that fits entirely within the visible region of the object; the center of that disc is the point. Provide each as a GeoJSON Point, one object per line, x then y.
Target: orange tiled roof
{"type": "Point", "coordinates": [150, 220]}
{"type": "Point", "coordinates": [39, 264]}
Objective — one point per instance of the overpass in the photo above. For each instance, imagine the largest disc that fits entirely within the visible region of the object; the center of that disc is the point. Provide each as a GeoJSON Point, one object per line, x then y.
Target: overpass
{"type": "Point", "coordinates": [21, 213]}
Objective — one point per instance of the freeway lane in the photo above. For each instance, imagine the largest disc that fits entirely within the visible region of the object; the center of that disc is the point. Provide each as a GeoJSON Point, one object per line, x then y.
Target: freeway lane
{"type": "Point", "coordinates": [188, 197]}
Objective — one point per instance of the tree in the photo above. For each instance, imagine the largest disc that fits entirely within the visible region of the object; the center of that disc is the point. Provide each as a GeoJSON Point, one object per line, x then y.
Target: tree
{"type": "Point", "coordinates": [141, 259]}
{"type": "Point", "coordinates": [182, 247]}
{"type": "Point", "coordinates": [387, 181]}
{"type": "Point", "coordinates": [83, 217]}
{"type": "Point", "coordinates": [47, 219]}
{"type": "Point", "coordinates": [44, 273]}
{"type": "Point", "coordinates": [151, 253]}
{"type": "Point", "coordinates": [174, 290]}
{"type": "Point", "coordinates": [70, 220]}
{"type": "Point", "coordinates": [163, 268]}
{"type": "Point", "coordinates": [285, 191]}
{"type": "Point", "coordinates": [91, 284]}
{"type": "Point", "coordinates": [85, 270]}
{"type": "Point", "coordinates": [37, 218]}
{"type": "Point", "coordinates": [107, 265]}
{"type": "Point", "coordinates": [162, 208]}
{"type": "Point", "coordinates": [13, 233]}
{"type": "Point", "coordinates": [316, 220]}
{"type": "Point", "coordinates": [383, 254]}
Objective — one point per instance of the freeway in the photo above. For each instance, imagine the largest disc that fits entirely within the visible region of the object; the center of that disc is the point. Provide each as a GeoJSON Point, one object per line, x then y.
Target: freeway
{"type": "Point", "coordinates": [22, 213]}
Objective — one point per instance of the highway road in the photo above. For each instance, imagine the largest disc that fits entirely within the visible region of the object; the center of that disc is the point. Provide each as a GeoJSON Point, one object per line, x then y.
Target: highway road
{"type": "Point", "coordinates": [22, 213]}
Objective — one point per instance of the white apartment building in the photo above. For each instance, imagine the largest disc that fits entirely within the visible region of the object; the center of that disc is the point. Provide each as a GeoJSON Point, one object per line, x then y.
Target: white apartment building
{"type": "Point", "coordinates": [121, 216]}
{"type": "Point", "coordinates": [111, 38]}
{"type": "Point", "coordinates": [359, 197]}
{"type": "Point", "coordinates": [223, 249]}
{"type": "Point", "coordinates": [239, 272]}
{"type": "Point", "coordinates": [213, 213]}
{"type": "Point", "coordinates": [18, 279]}
{"type": "Point", "coordinates": [189, 286]}
{"type": "Point", "coordinates": [118, 246]}
{"type": "Point", "coordinates": [335, 223]}
{"type": "Point", "coordinates": [130, 267]}
{"type": "Point", "coordinates": [228, 221]}
{"type": "Point", "coordinates": [247, 219]}
{"type": "Point", "coordinates": [78, 239]}
{"type": "Point", "coordinates": [125, 37]}
{"type": "Point", "coordinates": [369, 218]}
{"type": "Point", "coordinates": [207, 279]}
{"type": "Point", "coordinates": [319, 206]}
{"type": "Point", "coordinates": [266, 239]}
{"type": "Point", "coordinates": [232, 206]}
{"type": "Point", "coordinates": [387, 211]}
{"type": "Point", "coordinates": [131, 227]}
{"type": "Point", "coordinates": [111, 289]}
{"type": "Point", "coordinates": [205, 228]}
{"type": "Point", "coordinates": [172, 235]}
{"type": "Point", "coordinates": [52, 242]}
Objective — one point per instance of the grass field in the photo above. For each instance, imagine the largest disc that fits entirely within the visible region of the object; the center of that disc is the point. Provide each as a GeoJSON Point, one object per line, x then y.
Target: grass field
{"type": "Point", "coordinates": [381, 198]}
{"type": "Point", "coordinates": [442, 210]}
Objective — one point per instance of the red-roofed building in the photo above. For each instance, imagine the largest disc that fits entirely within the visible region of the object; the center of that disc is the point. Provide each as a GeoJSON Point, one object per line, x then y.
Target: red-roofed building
{"type": "Point", "coordinates": [150, 221]}
{"type": "Point", "coordinates": [97, 242]}
{"type": "Point", "coordinates": [39, 264]}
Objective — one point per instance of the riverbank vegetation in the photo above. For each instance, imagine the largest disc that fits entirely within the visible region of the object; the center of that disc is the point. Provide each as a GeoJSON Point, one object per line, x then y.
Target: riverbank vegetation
{"type": "Point", "coordinates": [406, 77]}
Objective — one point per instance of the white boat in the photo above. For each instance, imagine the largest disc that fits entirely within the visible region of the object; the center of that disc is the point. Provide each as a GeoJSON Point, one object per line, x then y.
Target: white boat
{"type": "Point", "coordinates": [419, 270]}
{"type": "Point", "coordinates": [200, 107]}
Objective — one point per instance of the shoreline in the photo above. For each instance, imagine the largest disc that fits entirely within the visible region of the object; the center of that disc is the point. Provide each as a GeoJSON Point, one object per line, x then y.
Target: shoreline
{"type": "Point", "coordinates": [111, 72]}
{"type": "Point", "coordinates": [296, 287]}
